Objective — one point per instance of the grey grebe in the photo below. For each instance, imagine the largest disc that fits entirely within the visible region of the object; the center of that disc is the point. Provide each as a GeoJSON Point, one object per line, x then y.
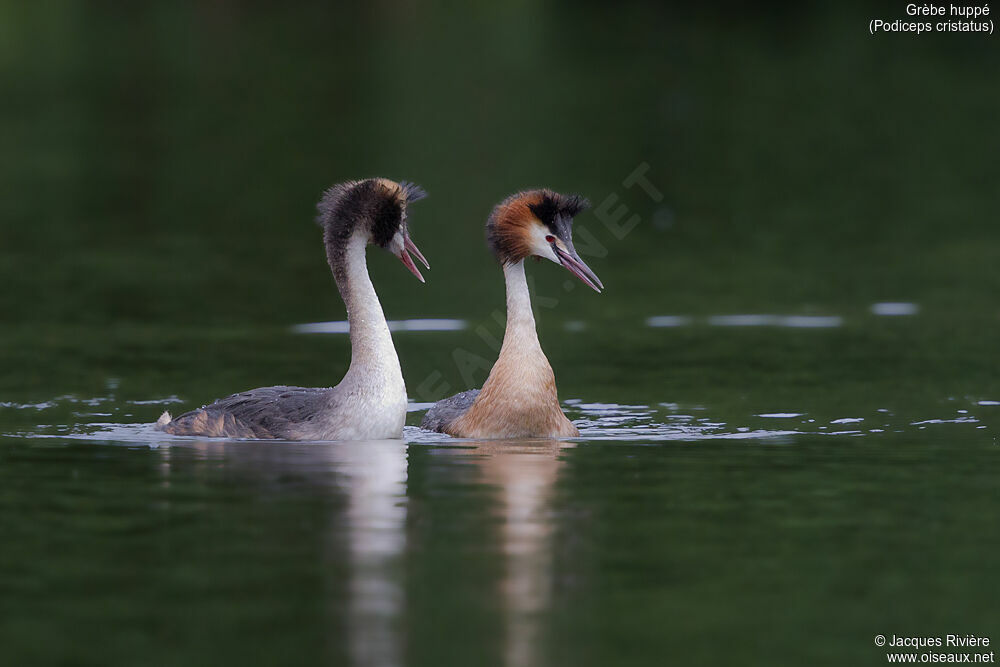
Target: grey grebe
{"type": "Point", "coordinates": [519, 397]}
{"type": "Point", "coordinates": [370, 402]}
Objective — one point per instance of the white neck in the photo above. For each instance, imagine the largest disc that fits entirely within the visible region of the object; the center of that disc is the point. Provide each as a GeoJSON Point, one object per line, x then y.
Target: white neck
{"type": "Point", "coordinates": [374, 362]}
{"type": "Point", "coordinates": [519, 397]}
{"type": "Point", "coordinates": [520, 336]}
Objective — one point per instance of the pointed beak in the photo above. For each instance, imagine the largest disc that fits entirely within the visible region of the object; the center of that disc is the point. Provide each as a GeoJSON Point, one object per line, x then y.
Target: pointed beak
{"type": "Point", "coordinates": [408, 244]}
{"type": "Point", "coordinates": [404, 256]}
{"type": "Point", "coordinates": [575, 265]}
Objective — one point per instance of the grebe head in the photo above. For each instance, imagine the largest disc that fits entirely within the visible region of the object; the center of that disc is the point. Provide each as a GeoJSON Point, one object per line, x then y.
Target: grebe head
{"type": "Point", "coordinates": [539, 223]}
{"type": "Point", "coordinates": [376, 208]}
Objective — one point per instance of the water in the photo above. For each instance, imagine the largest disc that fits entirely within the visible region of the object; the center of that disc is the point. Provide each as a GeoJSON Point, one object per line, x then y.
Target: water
{"type": "Point", "coordinates": [596, 421]}
{"type": "Point", "coordinates": [788, 394]}
{"type": "Point", "coordinates": [661, 528]}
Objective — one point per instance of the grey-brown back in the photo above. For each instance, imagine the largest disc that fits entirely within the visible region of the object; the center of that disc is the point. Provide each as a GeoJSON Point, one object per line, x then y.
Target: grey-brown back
{"type": "Point", "coordinates": [269, 412]}
{"type": "Point", "coordinates": [447, 410]}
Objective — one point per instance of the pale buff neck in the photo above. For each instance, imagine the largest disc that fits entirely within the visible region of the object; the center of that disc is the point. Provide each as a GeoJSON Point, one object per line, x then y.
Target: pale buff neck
{"type": "Point", "coordinates": [521, 349]}
{"type": "Point", "coordinates": [519, 397]}
{"type": "Point", "coordinates": [520, 337]}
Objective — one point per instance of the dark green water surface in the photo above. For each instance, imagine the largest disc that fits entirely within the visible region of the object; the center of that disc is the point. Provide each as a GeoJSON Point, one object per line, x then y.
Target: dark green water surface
{"type": "Point", "coordinates": [671, 531]}
{"type": "Point", "coordinates": [789, 393]}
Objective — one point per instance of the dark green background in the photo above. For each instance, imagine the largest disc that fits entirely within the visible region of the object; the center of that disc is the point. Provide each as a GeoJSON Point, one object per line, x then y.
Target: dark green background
{"type": "Point", "coordinates": [158, 171]}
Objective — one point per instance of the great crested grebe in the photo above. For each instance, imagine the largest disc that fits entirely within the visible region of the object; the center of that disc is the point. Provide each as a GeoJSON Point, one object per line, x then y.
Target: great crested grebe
{"type": "Point", "coordinates": [519, 397]}
{"type": "Point", "coordinates": [370, 402]}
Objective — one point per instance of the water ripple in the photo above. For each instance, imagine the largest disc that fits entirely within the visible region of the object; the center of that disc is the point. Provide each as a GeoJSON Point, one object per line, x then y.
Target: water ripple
{"type": "Point", "coordinates": [597, 421]}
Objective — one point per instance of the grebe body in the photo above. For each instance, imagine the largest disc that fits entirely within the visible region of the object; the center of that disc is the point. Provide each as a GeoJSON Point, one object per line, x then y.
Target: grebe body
{"type": "Point", "coordinates": [370, 401]}
{"type": "Point", "coordinates": [519, 398]}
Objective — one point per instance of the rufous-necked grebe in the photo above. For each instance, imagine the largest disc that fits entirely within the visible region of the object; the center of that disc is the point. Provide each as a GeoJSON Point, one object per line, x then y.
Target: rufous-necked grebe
{"type": "Point", "coordinates": [370, 402]}
{"type": "Point", "coordinates": [519, 397]}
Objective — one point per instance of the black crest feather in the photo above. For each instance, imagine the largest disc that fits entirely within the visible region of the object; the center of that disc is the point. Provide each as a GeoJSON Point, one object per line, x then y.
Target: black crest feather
{"type": "Point", "coordinates": [505, 228]}
{"type": "Point", "coordinates": [553, 205]}
{"type": "Point", "coordinates": [412, 192]}
{"type": "Point", "coordinates": [376, 202]}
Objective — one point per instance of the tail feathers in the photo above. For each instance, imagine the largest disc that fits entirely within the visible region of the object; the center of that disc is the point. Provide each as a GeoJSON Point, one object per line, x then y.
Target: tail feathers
{"type": "Point", "coordinates": [163, 420]}
{"type": "Point", "coordinates": [211, 423]}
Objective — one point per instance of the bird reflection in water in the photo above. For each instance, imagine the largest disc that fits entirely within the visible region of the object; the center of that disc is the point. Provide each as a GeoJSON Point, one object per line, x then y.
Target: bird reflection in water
{"type": "Point", "coordinates": [368, 528]}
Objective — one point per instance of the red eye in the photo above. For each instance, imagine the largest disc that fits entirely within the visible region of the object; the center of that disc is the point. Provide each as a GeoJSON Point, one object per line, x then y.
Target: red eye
{"type": "Point", "coordinates": [550, 238]}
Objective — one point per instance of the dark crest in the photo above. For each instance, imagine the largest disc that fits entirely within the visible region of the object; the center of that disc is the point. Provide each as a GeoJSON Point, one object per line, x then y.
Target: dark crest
{"type": "Point", "coordinates": [377, 202]}
{"type": "Point", "coordinates": [556, 211]}
{"type": "Point", "coordinates": [411, 191]}
{"type": "Point", "coordinates": [554, 205]}
{"type": "Point", "coordinates": [508, 225]}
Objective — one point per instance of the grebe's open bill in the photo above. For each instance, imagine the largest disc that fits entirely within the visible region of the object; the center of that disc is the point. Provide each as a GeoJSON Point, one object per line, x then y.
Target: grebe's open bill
{"type": "Point", "coordinates": [575, 265]}
{"type": "Point", "coordinates": [409, 245]}
{"type": "Point", "coordinates": [404, 256]}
